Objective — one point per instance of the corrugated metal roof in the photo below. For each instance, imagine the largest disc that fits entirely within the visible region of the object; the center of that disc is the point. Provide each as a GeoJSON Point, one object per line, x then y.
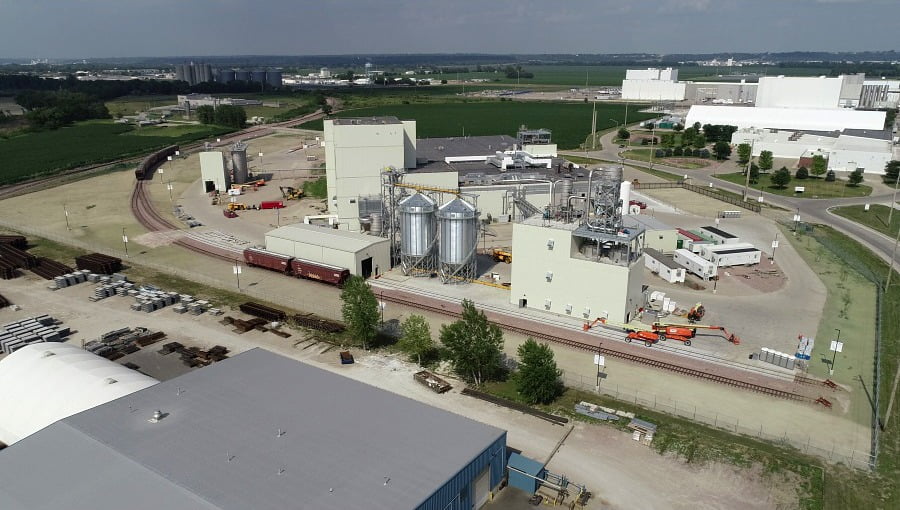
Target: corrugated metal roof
{"type": "Point", "coordinates": [647, 222]}
{"type": "Point", "coordinates": [787, 118]}
{"type": "Point", "coordinates": [339, 442]}
{"type": "Point", "coordinates": [342, 240]}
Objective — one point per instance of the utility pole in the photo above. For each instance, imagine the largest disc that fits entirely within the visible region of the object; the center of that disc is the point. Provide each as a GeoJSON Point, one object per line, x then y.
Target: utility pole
{"type": "Point", "coordinates": [125, 241]}
{"type": "Point", "coordinates": [237, 274]}
{"type": "Point", "coordinates": [774, 246]}
{"type": "Point", "coordinates": [893, 201]}
{"type": "Point", "coordinates": [652, 138]}
{"type": "Point", "coordinates": [836, 347]}
{"type": "Point", "coordinates": [67, 216]}
{"type": "Point", "coordinates": [594, 128]}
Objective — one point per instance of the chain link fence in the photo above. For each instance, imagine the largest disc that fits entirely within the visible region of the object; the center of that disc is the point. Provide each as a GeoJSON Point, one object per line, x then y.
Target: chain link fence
{"type": "Point", "coordinates": [795, 438]}
{"type": "Point", "coordinates": [302, 300]}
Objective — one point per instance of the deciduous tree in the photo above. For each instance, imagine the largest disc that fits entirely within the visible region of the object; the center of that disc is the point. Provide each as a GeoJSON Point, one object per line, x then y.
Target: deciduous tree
{"type": "Point", "coordinates": [855, 177]}
{"type": "Point", "coordinates": [538, 378]}
{"type": "Point", "coordinates": [819, 165]}
{"type": "Point", "coordinates": [415, 339]}
{"type": "Point", "coordinates": [474, 345]}
{"type": "Point", "coordinates": [360, 310]}
{"type": "Point", "coordinates": [781, 177]}
{"type": "Point", "coordinates": [743, 151]}
{"type": "Point", "coordinates": [765, 161]}
{"type": "Point", "coordinates": [722, 150]}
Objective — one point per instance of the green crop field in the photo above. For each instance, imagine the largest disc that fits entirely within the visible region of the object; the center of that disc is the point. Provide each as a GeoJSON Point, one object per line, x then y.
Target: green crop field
{"type": "Point", "coordinates": [570, 122]}
{"type": "Point", "coordinates": [44, 153]}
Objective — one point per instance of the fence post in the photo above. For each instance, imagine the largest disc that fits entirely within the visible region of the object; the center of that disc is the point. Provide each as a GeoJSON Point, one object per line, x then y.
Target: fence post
{"type": "Point", "coordinates": [695, 412]}
{"type": "Point", "coordinates": [716, 421]}
{"type": "Point", "coordinates": [737, 421]}
{"type": "Point", "coordinates": [654, 401]}
{"type": "Point", "coordinates": [831, 457]}
{"type": "Point", "coordinates": [760, 430]}
{"type": "Point", "coordinates": [807, 444]}
{"type": "Point", "coordinates": [617, 392]}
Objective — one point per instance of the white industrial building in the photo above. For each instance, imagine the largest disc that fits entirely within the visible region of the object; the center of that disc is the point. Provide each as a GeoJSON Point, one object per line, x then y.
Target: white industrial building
{"type": "Point", "coordinates": [663, 266]}
{"type": "Point", "coordinates": [845, 151]}
{"type": "Point", "coordinates": [586, 265]}
{"type": "Point", "coordinates": [816, 92]}
{"type": "Point", "coordinates": [810, 119]}
{"type": "Point", "coordinates": [503, 172]}
{"type": "Point", "coordinates": [654, 84]}
{"type": "Point", "coordinates": [364, 255]}
{"type": "Point", "coordinates": [880, 94]}
{"type": "Point", "coordinates": [43, 383]}
{"type": "Point", "coordinates": [213, 173]}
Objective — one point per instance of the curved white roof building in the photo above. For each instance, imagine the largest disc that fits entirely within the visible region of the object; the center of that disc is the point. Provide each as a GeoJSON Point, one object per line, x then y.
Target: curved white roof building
{"type": "Point", "coordinates": [46, 382]}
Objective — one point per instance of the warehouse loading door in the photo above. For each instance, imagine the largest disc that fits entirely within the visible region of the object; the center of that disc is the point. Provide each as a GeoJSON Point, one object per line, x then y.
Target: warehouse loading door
{"type": "Point", "coordinates": [367, 267]}
{"type": "Point", "coordinates": [209, 186]}
{"type": "Point", "coordinates": [483, 488]}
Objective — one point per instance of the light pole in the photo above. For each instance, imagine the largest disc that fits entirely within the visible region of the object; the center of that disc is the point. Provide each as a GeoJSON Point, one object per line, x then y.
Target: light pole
{"type": "Point", "coordinates": [594, 127]}
{"type": "Point", "coordinates": [893, 201]}
{"type": "Point", "coordinates": [749, 163]}
{"type": "Point", "coordinates": [237, 274]}
{"type": "Point", "coordinates": [170, 187]}
{"type": "Point", "coordinates": [66, 210]}
{"type": "Point", "coordinates": [891, 266]}
{"type": "Point", "coordinates": [652, 138]}
{"type": "Point", "coordinates": [125, 241]}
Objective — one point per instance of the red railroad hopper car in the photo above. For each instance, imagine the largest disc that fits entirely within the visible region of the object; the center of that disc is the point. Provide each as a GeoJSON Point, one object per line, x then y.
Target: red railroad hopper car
{"type": "Point", "coordinates": [314, 271]}
{"type": "Point", "coordinates": [271, 204]}
{"type": "Point", "coordinates": [268, 260]}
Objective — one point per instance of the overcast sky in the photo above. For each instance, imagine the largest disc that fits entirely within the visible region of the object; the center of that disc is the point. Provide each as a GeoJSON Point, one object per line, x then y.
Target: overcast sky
{"type": "Point", "coordinates": [122, 28]}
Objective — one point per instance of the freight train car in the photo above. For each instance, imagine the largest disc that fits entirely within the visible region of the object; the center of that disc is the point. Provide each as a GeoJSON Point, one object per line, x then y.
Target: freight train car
{"type": "Point", "coordinates": [314, 271]}
{"type": "Point", "coordinates": [144, 171]}
{"type": "Point", "coordinates": [298, 268]}
{"type": "Point", "coordinates": [268, 260]}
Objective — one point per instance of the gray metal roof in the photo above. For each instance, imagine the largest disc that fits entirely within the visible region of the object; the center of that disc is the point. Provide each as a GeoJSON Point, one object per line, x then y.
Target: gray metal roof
{"type": "Point", "coordinates": [219, 445]}
{"type": "Point", "coordinates": [647, 222]}
{"type": "Point", "coordinates": [884, 134]}
{"type": "Point", "coordinates": [436, 149]}
{"type": "Point", "coordinates": [662, 258]}
{"type": "Point", "coordinates": [342, 240]}
{"type": "Point", "coordinates": [366, 121]}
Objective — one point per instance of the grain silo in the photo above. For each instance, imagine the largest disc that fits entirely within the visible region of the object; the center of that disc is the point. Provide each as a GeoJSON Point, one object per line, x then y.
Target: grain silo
{"type": "Point", "coordinates": [239, 170]}
{"type": "Point", "coordinates": [418, 234]}
{"type": "Point", "coordinates": [242, 75]}
{"type": "Point", "coordinates": [225, 75]}
{"type": "Point", "coordinates": [273, 78]}
{"type": "Point", "coordinates": [458, 226]}
{"type": "Point", "coordinates": [258, 76]}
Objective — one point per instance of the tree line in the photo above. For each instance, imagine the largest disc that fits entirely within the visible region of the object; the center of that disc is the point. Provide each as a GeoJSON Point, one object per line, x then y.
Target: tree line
{"type": "Point", "coordinates": [222, 115]}
{"type": "Point", "coordinates": [54, 109]}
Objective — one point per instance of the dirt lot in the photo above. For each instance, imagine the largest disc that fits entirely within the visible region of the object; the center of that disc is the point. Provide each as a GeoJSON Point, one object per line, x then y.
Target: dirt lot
{"type": "Point", "coordinates": [620, 472]}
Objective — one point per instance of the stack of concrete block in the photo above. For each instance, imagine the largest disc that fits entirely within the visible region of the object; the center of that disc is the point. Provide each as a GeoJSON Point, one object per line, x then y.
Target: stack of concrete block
{"type": "Point", "coordinates": [18, 334]}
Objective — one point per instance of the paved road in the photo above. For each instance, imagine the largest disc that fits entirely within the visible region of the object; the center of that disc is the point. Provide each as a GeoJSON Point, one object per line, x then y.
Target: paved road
{"type": "Point", "coordinates": [810, 210]}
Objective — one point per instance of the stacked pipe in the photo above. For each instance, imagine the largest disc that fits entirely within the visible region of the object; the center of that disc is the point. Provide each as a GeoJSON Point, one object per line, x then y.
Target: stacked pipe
{"type": "Point", "coordinates": [263, 311]}
{"type": "Point", "coordinates": [49, 269]}
{"type": "Point", "coordinates": [7, 270]}
{"type": "Point", "coordinates": [20, 258]}
{"type": "Point", "coordinates": [99, 263]}
{"type": "Point", "coordinates": [14, 241]}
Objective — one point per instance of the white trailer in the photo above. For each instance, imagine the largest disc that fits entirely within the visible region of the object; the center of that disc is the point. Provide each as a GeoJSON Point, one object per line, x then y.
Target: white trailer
{"type": "Point", "coordinates": [663, 266]}
{"type": "Point", "coordinates": [695, 263]}
{"type": "Point", "coordinates": [730, 255]}
{"type": "Point", "coordinates": [719, 236]}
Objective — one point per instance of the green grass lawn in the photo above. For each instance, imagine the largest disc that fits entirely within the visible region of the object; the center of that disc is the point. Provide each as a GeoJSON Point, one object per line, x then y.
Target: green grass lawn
{"type": "Point", "coordinates": [570, 122]}
{"type": "Point", "coordinates": [876, 217]}
{"type": "Point", "coordinates": [815, 188]}
{"type": "Point", "coordinates": [47, 152]}
{"type": "Point", "coordinates": [315, 189]}
{"type": "Point", "coordinates": [675, 161]}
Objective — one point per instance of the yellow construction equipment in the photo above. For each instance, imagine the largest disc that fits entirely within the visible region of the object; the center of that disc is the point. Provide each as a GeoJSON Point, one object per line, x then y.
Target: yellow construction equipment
{"type": "Point", "coordinates": [501, 255]}
{"type": "Point", "coordinates": [291, 193]}
{"type": "Point", "coordinates": [237, 206]}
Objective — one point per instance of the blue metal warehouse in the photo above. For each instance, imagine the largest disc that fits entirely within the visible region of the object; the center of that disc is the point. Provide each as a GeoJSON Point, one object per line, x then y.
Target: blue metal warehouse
{"type": "Point", "coordinates": [256, 431]}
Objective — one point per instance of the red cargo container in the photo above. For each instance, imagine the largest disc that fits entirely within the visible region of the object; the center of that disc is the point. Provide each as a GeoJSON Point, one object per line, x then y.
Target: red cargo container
{"type": "Point", "coordinates": [271, 204]}
{"type": "Point", "coordinates": [268, 260]}
{"type": "Point", "coordinates": [314, 271]}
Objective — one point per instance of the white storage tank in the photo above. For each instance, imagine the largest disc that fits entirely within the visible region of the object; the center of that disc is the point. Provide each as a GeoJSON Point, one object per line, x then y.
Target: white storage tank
{"type": "Point", "coordinates": [458, 224]}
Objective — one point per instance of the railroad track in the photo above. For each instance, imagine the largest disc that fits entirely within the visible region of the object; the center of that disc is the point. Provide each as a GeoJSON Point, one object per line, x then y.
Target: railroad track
{"type": "Point", "coordinates": [633, 358]}
{"type": "Point", "coordinates": [150, 219]}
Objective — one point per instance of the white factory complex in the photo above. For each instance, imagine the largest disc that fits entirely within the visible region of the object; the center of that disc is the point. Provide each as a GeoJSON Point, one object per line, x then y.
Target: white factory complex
{"type": "Point", "coordinates": [793, 117]}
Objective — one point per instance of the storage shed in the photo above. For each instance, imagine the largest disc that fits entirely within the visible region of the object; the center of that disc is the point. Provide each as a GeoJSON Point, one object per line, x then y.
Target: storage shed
{"type": "Point", "coordinates": [213, 173]}
{"type": "Point", "coordinates": [719, 236]}
{"type": "Point", "coordinates": [695, 263]}
{"type": "Point", "coordinates": [663, 266]}
{"type": "Point", "coordinates": [362, 254]}
{"type": "Point", "coordinates": [524, 473]}
{"type": "Point", "coordinates": [657, 234]}
{"type": "Point", "coordinates": [257, 431]}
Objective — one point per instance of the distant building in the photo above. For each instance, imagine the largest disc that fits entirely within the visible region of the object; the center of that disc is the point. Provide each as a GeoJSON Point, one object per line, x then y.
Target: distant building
{"type": "Point", "coordinates": [880, 94]}
{"type": "Point", "coordinates": [813, 119]}
{"type": "Point", "coordinates": [193, 73]}
{"type": "Point", "coordinates": [845, 150]}
{"type": "Point", "coordinates": [810, 91]}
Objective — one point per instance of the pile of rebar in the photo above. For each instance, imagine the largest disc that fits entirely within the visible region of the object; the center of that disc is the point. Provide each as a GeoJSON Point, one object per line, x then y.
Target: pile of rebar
{"type": "Point", "coordinates": [262, 311]}
{"type": "Point", "coordinates": [49, 269]}
{"type": "Point", "coordinates": [20, 258]}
